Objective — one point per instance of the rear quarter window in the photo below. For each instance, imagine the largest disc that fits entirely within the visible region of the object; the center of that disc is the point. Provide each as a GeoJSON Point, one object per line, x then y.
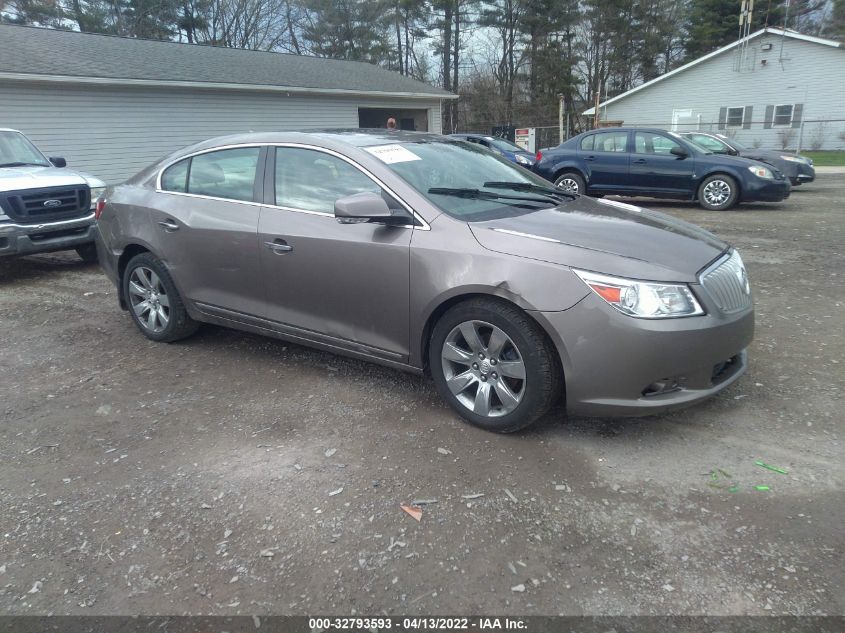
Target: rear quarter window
{"type": "Point", "coordinates": [175, 177]}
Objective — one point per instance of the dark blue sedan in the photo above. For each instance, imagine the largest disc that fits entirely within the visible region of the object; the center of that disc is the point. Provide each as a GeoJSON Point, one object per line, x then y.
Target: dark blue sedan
{"type": "Point", "coordinates": [660, 164]}
{"type": "Point", "coordinates": [501, 146]}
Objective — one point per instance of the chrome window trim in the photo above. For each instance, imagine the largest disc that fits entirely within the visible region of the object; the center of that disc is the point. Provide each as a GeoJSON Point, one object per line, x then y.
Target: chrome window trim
{"type": "Point", "coordinates": [423, 226]}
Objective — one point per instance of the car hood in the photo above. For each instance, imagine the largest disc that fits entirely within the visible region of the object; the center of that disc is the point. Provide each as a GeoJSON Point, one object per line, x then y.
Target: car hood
{"type": "Point", "coordinates": [32, 177]}
{"type": "Point", "coordinates": [605, 236]}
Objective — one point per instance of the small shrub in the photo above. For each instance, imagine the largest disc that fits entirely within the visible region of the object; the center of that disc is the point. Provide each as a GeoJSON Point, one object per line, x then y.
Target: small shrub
{"type": "Point", "coordinates": [786, 135]}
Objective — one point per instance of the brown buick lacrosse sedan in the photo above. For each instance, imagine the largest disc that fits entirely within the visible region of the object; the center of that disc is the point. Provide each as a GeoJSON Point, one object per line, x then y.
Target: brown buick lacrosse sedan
{"type": "Point", "coordinates": [431, 254]}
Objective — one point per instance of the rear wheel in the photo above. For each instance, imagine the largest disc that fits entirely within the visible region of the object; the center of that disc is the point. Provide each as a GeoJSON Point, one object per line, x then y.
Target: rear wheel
{"type": "Point", "coordinates": [718, 192]}
{"type": "Point", "coordinates": [571, 182]}
{"type": "Point", "coordinates": [88, 253]}
{"type": "Point", "coordinates": [154, 303]}
{"type": "Point", "coordinates": [494, 365]}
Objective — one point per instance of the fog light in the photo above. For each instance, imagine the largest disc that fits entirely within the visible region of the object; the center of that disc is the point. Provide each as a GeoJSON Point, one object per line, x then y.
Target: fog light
{"type": "Point", "coordinates": [659, 387]}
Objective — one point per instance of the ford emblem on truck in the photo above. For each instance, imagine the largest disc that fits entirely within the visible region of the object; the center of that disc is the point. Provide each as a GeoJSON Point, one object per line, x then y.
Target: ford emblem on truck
{"type": "Point", "coordinates": [52, 203]}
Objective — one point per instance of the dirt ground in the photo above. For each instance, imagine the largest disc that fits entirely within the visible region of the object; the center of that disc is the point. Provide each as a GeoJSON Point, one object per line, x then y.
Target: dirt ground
{"type": "Point", "coordinates": [236, 474]}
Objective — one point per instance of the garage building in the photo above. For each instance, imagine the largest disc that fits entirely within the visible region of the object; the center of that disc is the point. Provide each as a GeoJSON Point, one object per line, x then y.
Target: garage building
{"type": "Point", "coordinates": [113, 105]}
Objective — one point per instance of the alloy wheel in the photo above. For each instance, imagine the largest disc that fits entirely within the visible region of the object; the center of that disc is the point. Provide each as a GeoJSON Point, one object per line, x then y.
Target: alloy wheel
{"type": "Point", "coordinates": [716, 192]}
{"type": "Point", "coordinates": [570, 185]}
{"type": "Point", "coordinates": [483, 368]}
{"type": "Point", "coordinates": [148, 299]}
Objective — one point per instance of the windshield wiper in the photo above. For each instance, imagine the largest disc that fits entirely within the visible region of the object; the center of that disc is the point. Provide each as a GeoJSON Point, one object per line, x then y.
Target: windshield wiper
{"type": "Point", "coordinates": [478, 194]}
{"type": "Point", "coordinates": [22, 164]}
{"type": "Point", "coordinates": [532, 188]}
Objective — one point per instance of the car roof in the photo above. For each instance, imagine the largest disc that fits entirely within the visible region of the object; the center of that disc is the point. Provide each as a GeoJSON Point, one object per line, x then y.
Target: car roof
{"type": "Point", "coordinates": [357, 137]}
{"type": "Point", "coordinates": [629, 129]}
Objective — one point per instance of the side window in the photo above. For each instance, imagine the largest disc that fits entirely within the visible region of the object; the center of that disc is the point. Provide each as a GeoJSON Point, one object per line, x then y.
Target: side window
{"type": "Point", "coordinates": [229, 173]}
{"type": "Point", "coordinates": [648, 143]}
{"type": "Point", "coordinates": [310, 180]}
{"type": "Point", "coordinates": [175, 177]}
{"type": "Point", "coordinates": [708, 143]}
{"type": "Point", "coordinates": [587, 142]}
{"type": "Point", "coordinates": [611, 142]}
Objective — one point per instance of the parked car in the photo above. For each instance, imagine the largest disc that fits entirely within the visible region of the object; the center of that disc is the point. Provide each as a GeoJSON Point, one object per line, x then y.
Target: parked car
{"type": "Point", "coordinates": [502, 146]}
{"type": "Point", "coordinates": [428, 254]}
{"type": "Point", "coordinates": [797, 168]}
{"type": "Point", "coordinates": [44, 206]}
{"type": "Point", "coordinates": [660, 164]}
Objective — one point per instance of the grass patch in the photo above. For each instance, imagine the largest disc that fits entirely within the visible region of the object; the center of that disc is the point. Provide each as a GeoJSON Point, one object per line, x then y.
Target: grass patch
{"type": "Point", "coordinates": [827, 159]}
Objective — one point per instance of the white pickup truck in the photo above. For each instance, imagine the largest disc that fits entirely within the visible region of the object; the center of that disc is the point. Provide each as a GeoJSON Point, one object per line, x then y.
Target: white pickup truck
{"type": "Point", "coordinates": [44, 207]}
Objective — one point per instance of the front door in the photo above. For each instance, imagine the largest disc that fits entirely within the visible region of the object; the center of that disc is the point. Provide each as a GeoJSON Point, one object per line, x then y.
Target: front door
{"type": "Point", "coordinates": [206, 226]}
{"type": "Point", "coordinates": [341, 284]}
{"type": "Point", "coordinates": [655, 169]}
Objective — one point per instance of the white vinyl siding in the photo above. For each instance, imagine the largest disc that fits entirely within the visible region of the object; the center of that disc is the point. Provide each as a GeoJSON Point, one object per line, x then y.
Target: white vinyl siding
{"type": "Point", "coordinates": [114, 132]}
{"type": "Point", "coordinates": [810, 74]}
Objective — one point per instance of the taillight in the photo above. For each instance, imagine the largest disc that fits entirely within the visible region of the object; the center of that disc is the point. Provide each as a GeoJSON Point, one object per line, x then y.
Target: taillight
{"type": "Point", "coordinates": [98, 210]}
{"type": "Point", "coordinates": [538, 156]}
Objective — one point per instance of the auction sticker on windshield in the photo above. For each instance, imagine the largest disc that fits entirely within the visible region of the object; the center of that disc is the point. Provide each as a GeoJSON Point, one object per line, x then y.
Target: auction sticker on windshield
{"type": "Point", "coordinates": [392, 154]}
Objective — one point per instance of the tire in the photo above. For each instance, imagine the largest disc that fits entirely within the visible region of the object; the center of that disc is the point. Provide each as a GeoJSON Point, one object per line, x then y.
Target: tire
{"type": "Point", "coordinates": [718, 192]}
{"type": "Point", "coordinates": [88, 252]}
{"type": "Point", "coordinates": [571, 181]}
{"type": "Point", "coordinates": [166, 319]}
{"type": "Point", "coordinates": [461, 368]}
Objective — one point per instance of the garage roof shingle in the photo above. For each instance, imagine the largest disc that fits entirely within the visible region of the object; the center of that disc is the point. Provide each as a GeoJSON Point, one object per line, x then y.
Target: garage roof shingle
{"type": "Point", "coordinates": [49, 52]}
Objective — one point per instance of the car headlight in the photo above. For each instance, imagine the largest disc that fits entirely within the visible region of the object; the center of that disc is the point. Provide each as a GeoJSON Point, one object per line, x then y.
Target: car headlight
{"type": "Point", "coordinates": [643, 299]}
{"type": "Point", "coordinates": [795, 159]}
{"type": "Point", "coordinates": [761, 172]}
{"type": "Point", "coordinates": [96, 192]}
{"type": "Point", "coordinates": [523, 160]}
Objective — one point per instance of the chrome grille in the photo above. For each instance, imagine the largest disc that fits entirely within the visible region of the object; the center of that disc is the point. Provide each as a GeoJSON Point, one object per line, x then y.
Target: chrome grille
{"type": "Point", "coordinates": [46, 204]}
{"type": "Point", "coordinates": [727, 283]}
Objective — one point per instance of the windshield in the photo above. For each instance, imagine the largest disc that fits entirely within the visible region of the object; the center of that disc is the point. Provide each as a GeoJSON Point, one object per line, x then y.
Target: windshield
{"type": "Point", "coordinates": [737, 144]}
{"type": "Point", "coordinates": [451, 165]}
{"type": "Point", "coordinates": [17, 151]}
{"type": "Point", "coordinates": [503, 144]}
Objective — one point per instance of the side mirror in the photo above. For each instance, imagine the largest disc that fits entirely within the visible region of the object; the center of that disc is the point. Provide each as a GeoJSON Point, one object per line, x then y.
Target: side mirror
{"type": "Point", "coordinates": [58, 161]}
{"type": "Point", "coordinates": [680, 152]}
{"type": "Point", "coordinates": [733, 152]}
{"type": "Point", "coordinates": [362, 207]}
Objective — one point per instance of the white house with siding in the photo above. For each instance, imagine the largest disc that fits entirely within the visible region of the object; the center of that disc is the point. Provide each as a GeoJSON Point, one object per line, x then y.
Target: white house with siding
{"type": "Point", "coordinates": [113, 105]}
{"type": "Point", "coordinates": [774, 88]}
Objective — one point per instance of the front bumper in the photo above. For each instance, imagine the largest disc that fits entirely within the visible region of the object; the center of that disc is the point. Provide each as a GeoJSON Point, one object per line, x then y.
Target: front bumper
{"type": "Point", "coordinates": [611, 361]}
{"type": "Point", "coordinates": [760, 190]}
{"type": "Point", "coordinates": [803, 173]}
{"type": "Point", "coordinates": [28, 239]}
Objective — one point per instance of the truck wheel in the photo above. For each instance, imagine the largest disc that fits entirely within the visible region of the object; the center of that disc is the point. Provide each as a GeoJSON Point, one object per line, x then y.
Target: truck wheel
{"type": "Point", "coordinates": [88, 253]}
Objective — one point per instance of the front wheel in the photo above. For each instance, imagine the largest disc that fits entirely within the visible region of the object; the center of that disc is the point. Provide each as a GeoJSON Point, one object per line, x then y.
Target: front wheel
{"type": "Point", "coordinates": [718, 192]}
{"type": "Point", "coordinates": [154, 303]}
{"type": "Point", "coordinates": [494, 365]}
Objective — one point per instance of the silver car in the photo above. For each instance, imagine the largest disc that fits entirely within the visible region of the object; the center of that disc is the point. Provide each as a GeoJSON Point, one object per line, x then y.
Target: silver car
{"type": "Point", "coordinates": [431, 255]}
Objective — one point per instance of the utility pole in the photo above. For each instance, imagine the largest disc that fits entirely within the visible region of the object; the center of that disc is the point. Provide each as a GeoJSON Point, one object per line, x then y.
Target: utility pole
{"type": "Point", "coordinates": [560, 117]}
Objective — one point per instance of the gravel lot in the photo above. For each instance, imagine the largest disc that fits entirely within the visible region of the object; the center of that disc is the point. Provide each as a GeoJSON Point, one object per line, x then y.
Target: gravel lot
{"type": "Point", "coordinates": [235, 474]}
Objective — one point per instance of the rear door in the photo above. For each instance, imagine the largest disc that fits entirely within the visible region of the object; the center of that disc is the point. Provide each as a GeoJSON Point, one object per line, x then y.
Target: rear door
{"type": "Point", "coordinates": [605, 155]}
{"type": "Point", "coordinates": [655, 169]}
{"type": "Point", "coordinates": [206, 225]}
{"type": "Point", "coordinates": [340, 284]}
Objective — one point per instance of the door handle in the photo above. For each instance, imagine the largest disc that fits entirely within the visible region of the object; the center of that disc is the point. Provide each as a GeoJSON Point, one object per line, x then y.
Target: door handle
{"type": "Point", "coordinates": [279, 246]}
{"type": "Point", "coordinates": [169, 225]}
{"type": "Point", "coordinates": [590, 158]}
{"type": "Point", "coordinates": [640, 161]}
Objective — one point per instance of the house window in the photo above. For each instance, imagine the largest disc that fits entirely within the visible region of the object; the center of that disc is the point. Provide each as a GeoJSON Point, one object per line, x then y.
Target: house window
{"type": "Point", "coordinates": [783, 115]}
{"type": "Point", "coordinates": [735, 116]}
